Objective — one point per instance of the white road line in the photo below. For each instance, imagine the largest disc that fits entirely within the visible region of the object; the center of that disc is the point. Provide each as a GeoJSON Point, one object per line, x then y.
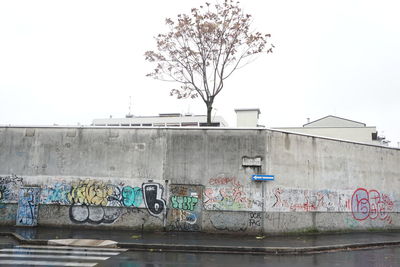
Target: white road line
{"type": "Point", "coordinates": [24, 250]}
{"type": "Point", "coordinates": [74, 248]}
{"type": "Point", "coordinates": [46, 263]}
{"type": "Point", "coordinates": [86, 258]}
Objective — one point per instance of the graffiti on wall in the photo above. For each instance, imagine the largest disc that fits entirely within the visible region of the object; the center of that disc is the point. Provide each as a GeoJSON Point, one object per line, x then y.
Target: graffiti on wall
{"type": "Point", "coordinates": [371, 204]}
{"type": "Point", "coordinates": [255, 219]}
{"type": "Point", "coordinates": [91, 192]}
{"type": "Point", "coordinates": [85, 213]}
{"type": "Point", "coordinates": [132, 196]}
{"type": "Point", "coordinates": [9, 188]}
{"type": "Point", "coordinates": [152, 195]}
{"type": "Point", "coordinates": [228, 193]}
{"type": "Point", "coordinates": [56, 193]}
{"type": "Point", "coordinates": [185, 208]}
{"type": "Point", "coordinates": [28, 203]}
{"type": "Point", "coordinates": [293, 199]}
{"type": "Point", "coordinates": [184, 202]}
{"type": "Point", "coordinates": [96, 202]}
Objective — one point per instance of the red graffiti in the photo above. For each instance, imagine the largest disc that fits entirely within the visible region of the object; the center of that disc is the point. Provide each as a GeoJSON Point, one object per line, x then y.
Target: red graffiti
{"type": "Point", "coordinates": [223, 180]}
{"type": "Point", "coordinates": [370, 204]}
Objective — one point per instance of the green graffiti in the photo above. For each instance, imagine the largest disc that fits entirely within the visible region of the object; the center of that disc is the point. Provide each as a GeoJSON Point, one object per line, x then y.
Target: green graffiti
{"type": "Point", "coordinates": [184, 203]}
{"type": "Point", "coordinates": [132, 196]}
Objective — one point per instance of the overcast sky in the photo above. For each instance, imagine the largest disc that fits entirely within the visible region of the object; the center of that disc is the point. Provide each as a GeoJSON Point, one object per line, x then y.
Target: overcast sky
{"type": "Point", "coordinates": [64, 62]}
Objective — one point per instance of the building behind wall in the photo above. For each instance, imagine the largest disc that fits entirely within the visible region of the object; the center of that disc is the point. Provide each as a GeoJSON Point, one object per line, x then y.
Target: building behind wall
{"type": "Point", "coordinates": [247, 117]}
{"type": "Point", "coordinates": [340, 128]}
{"type": "Point", "coordinates": [163, 120]}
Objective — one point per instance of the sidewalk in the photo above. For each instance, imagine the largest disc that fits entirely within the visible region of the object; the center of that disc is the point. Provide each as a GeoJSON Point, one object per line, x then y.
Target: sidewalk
{"type": "Point", "coordinates": [203, 242]}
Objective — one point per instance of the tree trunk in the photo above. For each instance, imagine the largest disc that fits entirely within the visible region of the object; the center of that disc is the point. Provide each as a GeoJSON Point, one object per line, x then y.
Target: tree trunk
{"type": "Point", "coordinates": [209, 109]}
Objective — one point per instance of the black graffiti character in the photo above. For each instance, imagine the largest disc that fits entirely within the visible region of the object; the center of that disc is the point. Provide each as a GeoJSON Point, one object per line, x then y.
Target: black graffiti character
{"type": "Point", "coordinates": [152, 193]}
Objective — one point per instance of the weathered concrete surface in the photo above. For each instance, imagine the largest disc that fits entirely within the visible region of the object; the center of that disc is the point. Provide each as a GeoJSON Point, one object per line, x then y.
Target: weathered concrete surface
{"type": "Point", "coordinates": [196, 180]}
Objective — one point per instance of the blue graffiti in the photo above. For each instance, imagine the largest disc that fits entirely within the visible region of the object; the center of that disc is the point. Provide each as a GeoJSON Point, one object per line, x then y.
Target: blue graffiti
{"type": "Point", "coordinates": [132, 196]}
{"type": "Point", "coordinates": [28, 205]}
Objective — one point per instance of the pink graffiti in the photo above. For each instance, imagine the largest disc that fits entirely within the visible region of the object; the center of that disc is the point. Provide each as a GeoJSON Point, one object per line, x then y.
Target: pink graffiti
{"type": "Point", "coordinates": [370, 204]}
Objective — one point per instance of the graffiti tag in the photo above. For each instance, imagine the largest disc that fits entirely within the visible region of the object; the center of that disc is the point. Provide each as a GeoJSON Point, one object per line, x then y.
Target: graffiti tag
{"type": "Point", "coordinates": [184, 202]}
{"type": "Point", "coordinates": [371, 204]}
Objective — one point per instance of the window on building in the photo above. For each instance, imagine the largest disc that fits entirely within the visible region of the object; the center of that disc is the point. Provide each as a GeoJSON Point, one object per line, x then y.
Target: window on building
{"type": "Point", "coordinates": [189, 124]}
{"type": "Point", "coordinates": [173, 125]}
{"type": "Point", "coordinates": [213, 124]}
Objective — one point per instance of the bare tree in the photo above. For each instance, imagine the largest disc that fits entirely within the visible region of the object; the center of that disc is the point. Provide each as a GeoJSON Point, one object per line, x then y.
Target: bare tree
{"type": "Point", "coordinates": [202, 49]}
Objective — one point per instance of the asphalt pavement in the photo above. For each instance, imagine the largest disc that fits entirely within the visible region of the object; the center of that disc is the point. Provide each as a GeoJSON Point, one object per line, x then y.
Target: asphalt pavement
{"type": "Point", "coordinates": [206, 242]}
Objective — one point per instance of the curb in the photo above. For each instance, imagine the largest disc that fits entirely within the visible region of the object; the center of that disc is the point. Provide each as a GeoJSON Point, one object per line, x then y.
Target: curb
{"type": "Point", "coordinates": [23, 240]}
{"type": "Point", "coordinates": [255, 250]}
{"type": "Point", "coordinates": [225, 249]}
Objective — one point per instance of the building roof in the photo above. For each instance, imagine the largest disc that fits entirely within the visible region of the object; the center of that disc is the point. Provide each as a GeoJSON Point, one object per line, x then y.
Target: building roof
{"type": "Point", "coordinates": [334, 121]}
{"type": "Point", "coordinates": [248, 109]}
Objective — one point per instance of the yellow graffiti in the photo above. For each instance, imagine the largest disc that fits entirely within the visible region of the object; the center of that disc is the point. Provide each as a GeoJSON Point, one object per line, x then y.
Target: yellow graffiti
{"type": "Point", "coordinates": [90, 192]}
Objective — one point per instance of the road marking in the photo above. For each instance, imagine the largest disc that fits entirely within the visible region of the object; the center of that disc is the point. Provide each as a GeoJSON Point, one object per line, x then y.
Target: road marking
{"type": "Point", "coordinates": [74, 248]}
{"type": "Point", "coordinates": [91, 258]}
{"type": "Point", "coordinates": [46, 263]}
{"type": "Point", "coordinates": [55, 251]}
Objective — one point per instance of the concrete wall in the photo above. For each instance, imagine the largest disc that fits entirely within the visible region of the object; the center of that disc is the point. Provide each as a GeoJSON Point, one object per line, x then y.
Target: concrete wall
{"type": "Point", "coordinates": [195, 180]}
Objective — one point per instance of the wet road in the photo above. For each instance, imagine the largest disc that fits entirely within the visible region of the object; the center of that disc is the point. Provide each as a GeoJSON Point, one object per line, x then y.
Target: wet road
{"type": "Point", "coordinates": [384, 257]}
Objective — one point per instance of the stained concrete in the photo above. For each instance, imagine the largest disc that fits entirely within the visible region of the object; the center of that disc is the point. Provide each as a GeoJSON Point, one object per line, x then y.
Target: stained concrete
{"type": "Point", "coordinates": [320, 184]}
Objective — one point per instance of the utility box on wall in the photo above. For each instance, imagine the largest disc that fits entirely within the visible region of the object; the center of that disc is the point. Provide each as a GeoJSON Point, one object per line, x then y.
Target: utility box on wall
{"type": "Point", "coordinates": [185, 207]}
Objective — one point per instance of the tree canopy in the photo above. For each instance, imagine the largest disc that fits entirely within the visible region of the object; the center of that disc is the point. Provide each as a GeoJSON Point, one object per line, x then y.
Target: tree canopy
{"type": "Point", "coordinates": [203, 48]}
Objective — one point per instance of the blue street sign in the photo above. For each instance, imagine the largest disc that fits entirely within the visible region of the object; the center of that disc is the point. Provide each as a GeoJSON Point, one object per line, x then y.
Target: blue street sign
{"type": "Point", "coordinates": [262, 177]}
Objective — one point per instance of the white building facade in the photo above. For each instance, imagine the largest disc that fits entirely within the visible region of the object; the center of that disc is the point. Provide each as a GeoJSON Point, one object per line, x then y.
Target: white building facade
{"type": "Point", "coordinates": [340, 128]}
{"type": "Point", "coordinates": [163, 120]}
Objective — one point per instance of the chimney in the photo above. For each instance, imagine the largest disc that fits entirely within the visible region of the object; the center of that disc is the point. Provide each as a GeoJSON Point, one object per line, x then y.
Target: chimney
{"type": "Point", "coordinates": [247, 117]}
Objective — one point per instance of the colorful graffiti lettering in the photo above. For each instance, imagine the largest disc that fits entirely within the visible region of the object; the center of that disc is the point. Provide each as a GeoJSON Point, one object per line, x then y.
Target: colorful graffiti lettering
{"type": "Point", "coordinates": [371, 204]}
{"type": "Point", "coordinates": [185, 212]}
{"type": "Point", "coordinates": [28, 203]}
{"type": "Point", "coordinates": [152, 195]}
{"type": "Point", "coordinates": [184, 202]}
{"type": "Point", "coordinates": [96, 202]}
{"type": "Point", "coordinates": [227, 193]}
{"type": "Point", "coordinates": [90, 192]}
{"type": "Point", "coordinates": [132, 196]}
{"type": "Point", "coordinates": [55, 194]}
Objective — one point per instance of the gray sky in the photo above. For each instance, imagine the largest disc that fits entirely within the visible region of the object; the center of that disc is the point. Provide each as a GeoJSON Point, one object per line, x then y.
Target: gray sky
{"type": "Point", "coordinates": [66, 62]}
